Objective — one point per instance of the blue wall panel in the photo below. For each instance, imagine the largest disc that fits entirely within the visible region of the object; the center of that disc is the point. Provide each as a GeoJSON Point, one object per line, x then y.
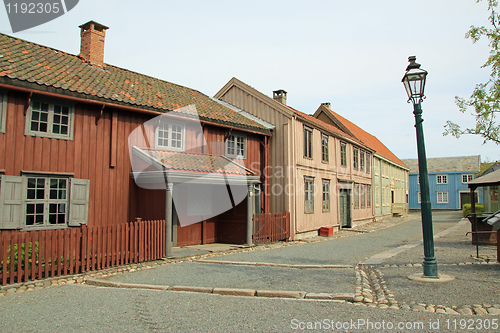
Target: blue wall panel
{"type": "Point", "coordinates": [454, 187]}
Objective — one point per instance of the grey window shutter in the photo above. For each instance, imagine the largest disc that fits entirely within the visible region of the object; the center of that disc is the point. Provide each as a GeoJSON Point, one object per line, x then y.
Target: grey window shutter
{"type": "Point", "coordinates": [79, 202]}
{"type": "Point", "coordinates": [11, 202]}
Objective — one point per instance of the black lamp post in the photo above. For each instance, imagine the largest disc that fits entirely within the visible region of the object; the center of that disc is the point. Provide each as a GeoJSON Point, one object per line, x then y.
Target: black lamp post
{"type": "Point", "coordinates": [414, 82]}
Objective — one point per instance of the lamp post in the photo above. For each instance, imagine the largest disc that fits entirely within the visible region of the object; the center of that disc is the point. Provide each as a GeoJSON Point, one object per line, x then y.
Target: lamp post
{"type": "Point", "coordinates": [414, 82]}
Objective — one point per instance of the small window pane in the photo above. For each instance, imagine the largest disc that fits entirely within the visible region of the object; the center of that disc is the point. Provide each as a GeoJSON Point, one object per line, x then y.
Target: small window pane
{"type": "Point", "coordinates": [30, 219]}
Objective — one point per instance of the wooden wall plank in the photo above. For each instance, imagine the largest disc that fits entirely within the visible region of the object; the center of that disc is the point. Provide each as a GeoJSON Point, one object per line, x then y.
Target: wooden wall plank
{"type": "Point", "coordinates": [113, 138]}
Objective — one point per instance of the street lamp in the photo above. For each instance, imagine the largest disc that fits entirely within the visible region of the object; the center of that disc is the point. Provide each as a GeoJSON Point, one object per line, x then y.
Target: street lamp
{"type": "Point", "coordinates": [414, 82]}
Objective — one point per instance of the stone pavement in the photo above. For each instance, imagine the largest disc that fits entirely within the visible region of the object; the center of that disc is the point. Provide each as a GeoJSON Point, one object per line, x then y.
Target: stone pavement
{"type": "Point", "coordinates": [380, 281]}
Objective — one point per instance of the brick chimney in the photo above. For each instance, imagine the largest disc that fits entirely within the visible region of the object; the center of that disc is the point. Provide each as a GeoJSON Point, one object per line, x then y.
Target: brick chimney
{"type": "Point", "coordinates": [327, 104]}
{"type": "Point", "coordinates": [280, 96]}
{"type": "Point", "coordinates": [92, 43]}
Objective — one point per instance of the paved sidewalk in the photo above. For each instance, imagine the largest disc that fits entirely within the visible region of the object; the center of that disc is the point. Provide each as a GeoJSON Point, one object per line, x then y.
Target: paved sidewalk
{"type": "Point", "coordinates": [310, 267]}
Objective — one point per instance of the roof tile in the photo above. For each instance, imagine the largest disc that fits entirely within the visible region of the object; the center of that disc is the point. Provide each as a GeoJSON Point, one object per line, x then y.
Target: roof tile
{"type": "Point", "coordinates": [32, 62]}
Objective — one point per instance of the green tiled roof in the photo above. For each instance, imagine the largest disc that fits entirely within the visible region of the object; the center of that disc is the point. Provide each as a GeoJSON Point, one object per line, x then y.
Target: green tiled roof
{"type": "Point", "coordinates": [41, 67]}
{"type": "Point", "coordinates": [181, 161]}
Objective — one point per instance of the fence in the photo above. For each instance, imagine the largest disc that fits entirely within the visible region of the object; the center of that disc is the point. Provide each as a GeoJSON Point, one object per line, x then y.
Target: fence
{"type": "Point", "coordinates": [33, 255]}
{"type": "Point", "coordinates": [271, 227]}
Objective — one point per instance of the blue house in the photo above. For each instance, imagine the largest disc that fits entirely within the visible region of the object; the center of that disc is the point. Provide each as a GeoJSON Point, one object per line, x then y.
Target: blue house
{"type": "Point", "coordinates": [448, 178]}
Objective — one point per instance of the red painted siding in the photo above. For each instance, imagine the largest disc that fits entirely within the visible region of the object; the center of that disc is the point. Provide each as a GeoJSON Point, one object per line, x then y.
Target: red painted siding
{"type": "Point", "coordinates": [100, 152]}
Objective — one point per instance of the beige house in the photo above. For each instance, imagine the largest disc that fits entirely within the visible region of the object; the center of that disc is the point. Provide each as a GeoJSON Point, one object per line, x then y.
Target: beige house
{"type": "Point", "coordinates": [319, 173]}
{"type": "Point", "coordinates": [390, 174]}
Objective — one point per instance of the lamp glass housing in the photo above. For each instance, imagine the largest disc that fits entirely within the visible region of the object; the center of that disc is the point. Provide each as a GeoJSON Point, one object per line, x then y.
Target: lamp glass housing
{"type": "Point", "coordinates": [414, 81]}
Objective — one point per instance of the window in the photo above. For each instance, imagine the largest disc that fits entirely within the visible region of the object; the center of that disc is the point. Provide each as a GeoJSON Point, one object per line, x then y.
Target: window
{"type": "Point", "coordinates": [377, 196]}
{"type": "Point", "coordinates": [368, 163]}
{"type": "Point", "coordinates": [343, 154]}
{"type": "Point", "coordinates": [368, 196]}
{"type": "Point", "coordinates": [236, 146]}
{"type": "Point", "coordinates": [3, 110]}
{"type": "Point", "coordinates": [363, 196]}
{"type": "Point", "coordinates": [418, 179]}
{"type": "Point", "coordinates": [170, 136]}
{"type": "Point", "coordinates": [308, 132]}
{"type": "Point", "coordinates": [324, 148]}
{"type": "Point", "coordinates": [36, 201]}
{"type": "Point", "coordinates": [46, 201]}
{"type": "Point", "coordinates": [51, 120]}
{"type": "Point", "coordinates": [355, 158]}
{"type": "Point", "coordinates": [467, 178]}
{"type": "Point", "coordinates": [309, 194]}
{"type": "Point", "coordinates": [442, 179]}
{"type": "Point", "coordinates": [356, 196]}
{"type": "Point", "coordinates": [362, 161]}
{"type": "Point", "coordinates": [326, 195]}
{"type": "Point", "coordinates": [419, 197]}
{"type": "Point", "coordinates": [442, 197]}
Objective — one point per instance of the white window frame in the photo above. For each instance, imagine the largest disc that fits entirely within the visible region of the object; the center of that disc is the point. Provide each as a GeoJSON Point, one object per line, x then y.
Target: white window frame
{"type": "Point", "coordinates": [235, 136]}
{"type": "Point", "coordinates": [357, 196]}
{"type": "Point", "coordinates": [368, 163]}
{"type": "Point", "coordinates": [343, 154]}
{"type": "Point", "coordinates": [325, 154]}
{"type": "Point", "coordinates": [51, 116]}
{"type": "Point", "coordinates": [169, 125]}
{"type": "Point", "coordinates": [468, 177]}
{"type": "Point", "coordinates": [442, 197]}
{"type": "Point", "coordinates": [308, 195]}
{"type": "Point", "coordinates": [442, 179]}
{"type": "Point", "coordinates": [368, 196]}
{"type": "Point", "coordinates": [363, 196]}
{"type": "Point", "coordinates": [362, 160]}
{"type": "Point", "coordinates": [325, 184]}
{"type": "Point", "coordinates": [38, 192]}
{"type": "Point", "coordinates": [355, 158]}
{"type": "Point", "coordinates": [3, 110]}
{"type": "Point", "coordinates": [308, 142]}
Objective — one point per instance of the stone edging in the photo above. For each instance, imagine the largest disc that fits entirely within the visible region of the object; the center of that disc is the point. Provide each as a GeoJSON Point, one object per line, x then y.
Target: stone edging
{"type": "Point", "coordinates": [339, 297]}
{"type": "Point", "coordinates": [244, 263]}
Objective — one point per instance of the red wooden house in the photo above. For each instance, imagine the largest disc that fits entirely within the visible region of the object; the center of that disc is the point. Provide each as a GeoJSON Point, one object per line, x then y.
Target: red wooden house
{"type": "Point", "coordinates": [65, 159]}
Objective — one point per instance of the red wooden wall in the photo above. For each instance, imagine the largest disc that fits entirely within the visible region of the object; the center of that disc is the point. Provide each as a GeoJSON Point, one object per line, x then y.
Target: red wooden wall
{"type": "Point", "coordinates": [99, 152]}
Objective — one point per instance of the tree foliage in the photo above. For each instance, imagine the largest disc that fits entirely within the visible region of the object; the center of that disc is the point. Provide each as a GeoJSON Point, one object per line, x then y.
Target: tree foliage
{"type": "Point", "coordinates": [485, 99]}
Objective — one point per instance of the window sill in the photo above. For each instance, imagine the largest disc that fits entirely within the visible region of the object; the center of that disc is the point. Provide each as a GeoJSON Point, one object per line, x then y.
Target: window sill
{"type": "Point", "coordinates": [44, 227]}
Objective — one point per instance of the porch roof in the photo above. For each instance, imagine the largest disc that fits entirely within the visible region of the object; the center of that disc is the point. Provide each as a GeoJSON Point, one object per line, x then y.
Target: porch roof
{"type": "Point", "coordinates": [180, 167]}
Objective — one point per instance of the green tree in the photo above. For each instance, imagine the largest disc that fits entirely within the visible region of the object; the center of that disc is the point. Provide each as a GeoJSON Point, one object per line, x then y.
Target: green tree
{"type": "Point", "coordinates": [485, 99]}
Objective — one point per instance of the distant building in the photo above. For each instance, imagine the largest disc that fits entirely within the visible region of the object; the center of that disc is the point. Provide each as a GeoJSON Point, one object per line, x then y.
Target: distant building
{"type": "Point", "coordinates": [390, 175]}
{"type": "Point", "coordinates": [448, 178]}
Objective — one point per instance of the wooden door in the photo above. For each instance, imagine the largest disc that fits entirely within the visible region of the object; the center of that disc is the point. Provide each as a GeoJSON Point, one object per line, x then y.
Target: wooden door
{"type": "Point", "coordinates": [345, 208]}
{"type": "Point", "coordinates": [199, 233]}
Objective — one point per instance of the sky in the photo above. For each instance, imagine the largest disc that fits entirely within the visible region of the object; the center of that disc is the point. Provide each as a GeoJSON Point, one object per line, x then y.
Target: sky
{"type": "Point", "coordinates": [352, 54]}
